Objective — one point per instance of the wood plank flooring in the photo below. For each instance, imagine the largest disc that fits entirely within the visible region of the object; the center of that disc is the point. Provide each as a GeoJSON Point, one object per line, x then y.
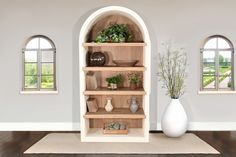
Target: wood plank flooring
{"type": "Point", "coordinates": [13, 144]}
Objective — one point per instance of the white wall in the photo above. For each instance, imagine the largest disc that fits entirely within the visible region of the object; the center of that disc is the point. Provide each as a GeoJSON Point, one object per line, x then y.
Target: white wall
{"type": "Point", "coordinates": [187, 22]}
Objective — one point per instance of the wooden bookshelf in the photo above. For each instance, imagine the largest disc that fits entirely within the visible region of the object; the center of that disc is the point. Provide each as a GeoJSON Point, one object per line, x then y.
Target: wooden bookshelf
{"type": "Point", "coordinates": [93, 44]}
{"type": "Point", "coordinates": [139, 49]}
{"type": "Point", "coordinates": [116, 113]}
{"type": "Point", "coordinates": [119, 91]}
{"type": "Point", "coordinates": [114, 68]}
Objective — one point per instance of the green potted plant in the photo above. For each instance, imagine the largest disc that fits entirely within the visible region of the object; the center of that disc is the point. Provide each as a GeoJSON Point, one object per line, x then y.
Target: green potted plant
{"type": "Point", "coordinates": [134, 80]}
{"type": "Point", "coordinates": [116, 33]}
{"type": "Point", "coordinates": [114, 81]}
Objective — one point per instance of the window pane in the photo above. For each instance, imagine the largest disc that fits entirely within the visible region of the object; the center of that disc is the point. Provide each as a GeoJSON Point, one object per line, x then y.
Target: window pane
{"type": "Point", "coordinates": [30, 81]}
{"type": "Point", "coordinates": [30, 56]}
{"type": "Point", "coordinates": [225, 62]}
{"type": "Point", "coordinates": [208, 81]}
{"type": "Point", "coordinates": [47, 82]}
{"type": "Point", "coordinates": [47, 68]}
{"type": "Point", "coordinates": [208, 56]}
{"type": "Point", "coordinates": [33, 44]}
{"type": "Point", "coordinates": [208, 69]}
{"type": "Point", "coordinates": [45, 44]}
{"type": "Point", "coordinates": [223, 44]}
{"type": "Point", "coordinates": [47, 56]}
{"type": "Point", "coordinates": [211, 44]}
{"type": "Point", "coordinates": [225, 81]}
{"type": "Point", "coordinates": [30, 68]}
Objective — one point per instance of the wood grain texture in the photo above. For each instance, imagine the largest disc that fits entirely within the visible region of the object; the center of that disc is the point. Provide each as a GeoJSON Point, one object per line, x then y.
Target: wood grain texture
{"type": "Point", "coordinates": [120, 53]}
{"type": "Point", "coordinates": [118, 101]}
{"type": "Point", "coordinates": [115, 19]}
{"type": "Point", "coordinates": [115, 68]}
{"type": "Point", "coordinates": [131, 123]}
{"type": "Point", "coordinates": [116, 113]}
{"type": "Point", "coordinates": [119, 91]}
{"type": "Point", "coordinates": [93, 44]}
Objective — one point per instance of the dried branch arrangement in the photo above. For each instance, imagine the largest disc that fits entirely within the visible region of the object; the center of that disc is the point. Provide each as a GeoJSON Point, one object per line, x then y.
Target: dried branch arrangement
{"type": "Point", "coordinates": [172, 70]}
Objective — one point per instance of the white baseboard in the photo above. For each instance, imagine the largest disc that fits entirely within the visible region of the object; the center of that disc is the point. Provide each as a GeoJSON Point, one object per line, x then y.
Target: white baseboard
{"type": "Point", "coordinates": [212, 126]}
{"type": "Point", "coordinates": [208, 126]}
{"type": "Point", "coordinates": [38, 126]}
{"type": "Point", "coordinates": [67, 126]}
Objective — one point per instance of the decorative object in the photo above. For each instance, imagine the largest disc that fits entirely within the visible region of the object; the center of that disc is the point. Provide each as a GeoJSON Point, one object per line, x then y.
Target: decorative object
{"type": "Point", "coordinates": [125, 63]}
{"type": "Point", "coordinates": [115, 128]}
{"type": "Point", "coordinates": [116, 33]}
{"type": "Point", "coordinates": [109, 106]}
{"type": "Point", "coordinates": [172, 66]}
{"type": "Point", "coordinates": [133, 105]}
{"type": "Point", "coordinates": [97, 59]}
{"type": "Point", "coordinates": [114, 81]}
{"type": "Point", "coordinates": [91, 80]}
{"type": "Point", "coordinates": [134, 79]}
{"type": "Point", "coordinates": [92, 105]}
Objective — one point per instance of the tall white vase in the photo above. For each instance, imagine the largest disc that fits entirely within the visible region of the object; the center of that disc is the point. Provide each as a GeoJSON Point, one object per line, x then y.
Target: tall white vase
{"type": "Point", "coordinates": [174, 121]}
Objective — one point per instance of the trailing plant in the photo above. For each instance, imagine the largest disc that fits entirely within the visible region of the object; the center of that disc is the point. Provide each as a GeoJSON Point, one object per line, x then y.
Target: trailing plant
{"type": "Point", "coordinates": [114, 33]}
{"type": "Point", "coordinates": [134, 77]}
{"type": "Point", "coordinates": [114, 79]}
{"type": "Point", "coordinates": [172, 71]}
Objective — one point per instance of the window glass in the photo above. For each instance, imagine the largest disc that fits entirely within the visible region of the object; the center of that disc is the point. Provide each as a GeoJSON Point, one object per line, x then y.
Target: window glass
{"type": "Point", "coordinates": [39, 64]}
{"type": "Point", "coordinates": [211, 44]}
{"type": "Point", "coordinates": [217, 64]}
{"type": "Point", "coordinates": [31, 82]}
{"type": "Point", "coordinates": [47, 56]}
{"type": "Point", "coordinates": [223, 44]}
{"type": "Point", "coordinates": [47, 68]}
{"type": "Point", "coordinates": [45, 44]}
{"type": "Point", "coordinates": [33, 44]}
{"type": "Point", "coordinates": [30, 68]}
{"type": "Point", "coordinates": [30, 56]}
{"type": "Point", "coordinates": [47, 82]}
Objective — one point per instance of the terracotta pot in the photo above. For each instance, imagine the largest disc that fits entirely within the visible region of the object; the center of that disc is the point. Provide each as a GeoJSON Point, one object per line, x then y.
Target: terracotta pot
{"type": "Point", "coordinates": [133, 85]}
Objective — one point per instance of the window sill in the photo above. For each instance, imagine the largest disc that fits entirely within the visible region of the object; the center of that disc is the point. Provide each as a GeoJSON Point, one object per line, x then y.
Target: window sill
{"type": "Point", "coordinates": [38, 92]}
{"type": "Point", "coordinates": [215, 92]}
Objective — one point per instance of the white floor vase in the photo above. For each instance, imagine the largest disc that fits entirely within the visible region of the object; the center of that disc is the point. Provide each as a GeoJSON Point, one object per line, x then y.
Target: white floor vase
{"type": "Point", "coordinates": [174, 120]}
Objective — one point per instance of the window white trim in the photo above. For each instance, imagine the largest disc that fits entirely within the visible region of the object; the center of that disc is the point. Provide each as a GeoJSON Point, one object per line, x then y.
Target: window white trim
{"type": "Point", "coordinates": [39, 63]}
{"type": "Point", "coordinates": [38, 92]}
{"type": "Point", "coordinates": [217, 50]}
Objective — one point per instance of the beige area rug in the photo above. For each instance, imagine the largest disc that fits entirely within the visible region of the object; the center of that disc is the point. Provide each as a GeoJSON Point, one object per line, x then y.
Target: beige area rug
{"type": "Point", "coordinates": [69, 143]}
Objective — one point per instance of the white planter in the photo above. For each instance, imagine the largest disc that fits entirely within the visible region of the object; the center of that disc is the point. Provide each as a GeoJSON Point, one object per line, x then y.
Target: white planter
{"type": "Point", "coordinates": [174, 120]}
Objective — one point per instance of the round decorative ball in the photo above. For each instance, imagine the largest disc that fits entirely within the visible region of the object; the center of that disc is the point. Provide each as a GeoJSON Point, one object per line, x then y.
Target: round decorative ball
{"type": "Point", "coordinates": [97, 59]}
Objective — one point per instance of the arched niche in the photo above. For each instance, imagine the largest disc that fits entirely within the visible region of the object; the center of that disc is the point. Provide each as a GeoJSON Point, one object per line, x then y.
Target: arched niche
{"type": "Point", "coordinates": [92, 25]}
{"type": "Point", "coordinates": [108, 20]}
{"type": "Point", "coordinates": [114, 14]}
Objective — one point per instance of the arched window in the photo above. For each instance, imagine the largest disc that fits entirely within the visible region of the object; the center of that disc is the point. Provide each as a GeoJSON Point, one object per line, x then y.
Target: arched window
{"type": "Point", "coordinates": [217, 64]}
{"type": "Point", "coordinates": [39, 58]}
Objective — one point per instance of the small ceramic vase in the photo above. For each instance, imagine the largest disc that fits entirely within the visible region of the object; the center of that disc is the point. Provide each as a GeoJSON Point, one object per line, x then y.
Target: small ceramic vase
{"type": "Point", "coordinates": [109, 106]}
{"type": "Point", "coordinates": [133, 104]}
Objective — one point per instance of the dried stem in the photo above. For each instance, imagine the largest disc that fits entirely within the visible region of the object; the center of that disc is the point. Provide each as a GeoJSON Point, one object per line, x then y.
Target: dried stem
{"type": "Point", "coordinates": [172, 71]}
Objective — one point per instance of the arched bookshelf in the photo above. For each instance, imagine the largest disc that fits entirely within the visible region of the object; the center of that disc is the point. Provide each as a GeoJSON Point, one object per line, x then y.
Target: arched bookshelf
{"type": "Point", "coordinates": [140, 49]}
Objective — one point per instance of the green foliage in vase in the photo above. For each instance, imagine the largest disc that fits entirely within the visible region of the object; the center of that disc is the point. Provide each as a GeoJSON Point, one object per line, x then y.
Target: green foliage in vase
{"type": "Point", "coordinates": [134, 77]}
{"type": "Point", "coordinates": [114, 79]}
{"type": "Point", "coordinates": [116, 33]}
{"type": "Point", "coordinates": [172, 71]}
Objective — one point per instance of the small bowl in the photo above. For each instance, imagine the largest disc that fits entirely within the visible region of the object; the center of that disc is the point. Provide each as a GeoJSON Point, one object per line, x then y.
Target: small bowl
{"type": "Point", "coordinates": [125, 63]}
